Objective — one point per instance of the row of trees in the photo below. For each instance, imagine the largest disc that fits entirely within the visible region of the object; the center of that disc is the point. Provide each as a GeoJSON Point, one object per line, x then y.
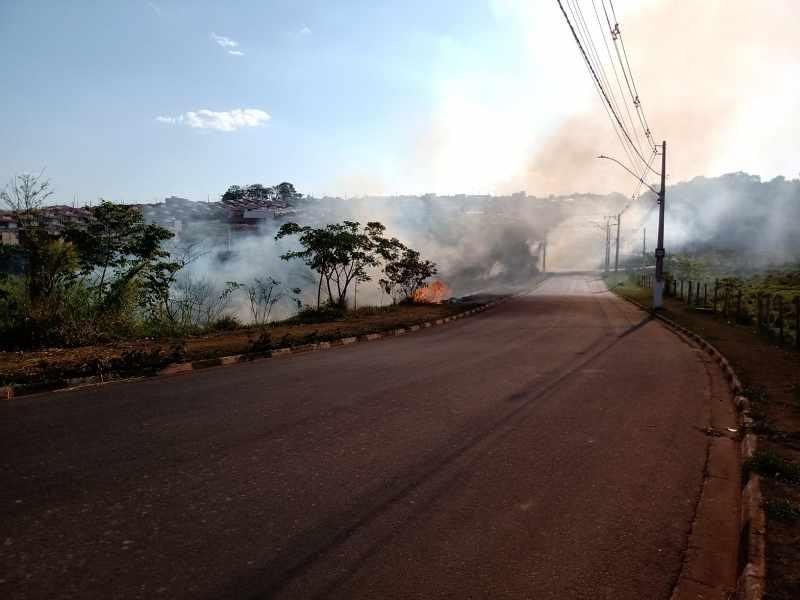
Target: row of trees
{"type": "Point", "coordinates": [83, 280]}
{"type": "Point", "coordinates": [256, 192]}
{"type": "Point", "coordinates": [343, 254]}
{"type": "Point", "coordinates": [113, 275]}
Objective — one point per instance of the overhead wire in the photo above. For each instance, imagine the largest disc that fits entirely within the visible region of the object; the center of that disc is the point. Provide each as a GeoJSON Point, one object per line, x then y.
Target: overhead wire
{"type": "Point", "coordinates": [595, 63]}
{"type": "Point", "coordinates": [616, 75]}
{"type": "Point", "coordinates": [609, 107]}
{"type": "Point", "coordinates": [599, 84]}
{"type": "Point", "coordinates": [616, 34]}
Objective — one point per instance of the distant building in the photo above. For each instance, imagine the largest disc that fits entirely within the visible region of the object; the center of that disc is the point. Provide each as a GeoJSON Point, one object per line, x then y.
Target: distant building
{"type": "Point", "coordinates": [9, 233]}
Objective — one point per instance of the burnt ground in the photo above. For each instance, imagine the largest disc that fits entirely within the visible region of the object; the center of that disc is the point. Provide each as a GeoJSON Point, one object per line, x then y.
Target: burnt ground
{"type": "Point", "coordinates": [771, 376]}
{"type": "Point", "coordinates": [133, 356]}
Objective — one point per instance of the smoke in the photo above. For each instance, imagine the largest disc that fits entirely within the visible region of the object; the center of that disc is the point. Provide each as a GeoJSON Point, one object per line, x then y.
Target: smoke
{"type": "Point", "coordinates": [736, 220]}
{"type": "Point", "coordinates": [480, 243]}
{"type": "Point", "coordinates": [718, 81]}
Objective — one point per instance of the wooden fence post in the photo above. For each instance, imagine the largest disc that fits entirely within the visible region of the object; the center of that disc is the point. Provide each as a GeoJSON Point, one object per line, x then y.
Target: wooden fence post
{"type": "Point", "coordinates": [716, 293]}
{"type": "Point", "coordinates": [739, 304]}
{"type": "Point", "coordinates": [689, 295]}
{"type": "Point", "coordinates": [725, 299]}
{"type": "Point", "coordinates": [767, 311]}
{"type": "Point", "coordinates": [705, 293]}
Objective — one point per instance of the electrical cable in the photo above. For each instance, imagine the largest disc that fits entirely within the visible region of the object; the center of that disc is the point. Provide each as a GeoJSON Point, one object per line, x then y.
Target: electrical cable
{"type": "Point", "coordinates": [605, 95]}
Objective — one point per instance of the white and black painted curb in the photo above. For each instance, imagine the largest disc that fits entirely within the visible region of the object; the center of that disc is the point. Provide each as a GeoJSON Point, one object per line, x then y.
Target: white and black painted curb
{"type": "Point", "coordinates": [14, 391]}
{"type": "Point", "coordinates": [752, 520]}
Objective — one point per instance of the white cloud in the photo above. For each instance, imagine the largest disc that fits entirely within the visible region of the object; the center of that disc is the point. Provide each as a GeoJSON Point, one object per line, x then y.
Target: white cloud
{"type": "Point", "coordinates": [224, 42]}
{"type": "Point", "coordinates": [220, 120]}
{"type": "Point", "coordinates": [305, 31]}
{"type": "Point", "coordinates": [236, 52]}
{"type": "Point", "coordinates": [155, 7]}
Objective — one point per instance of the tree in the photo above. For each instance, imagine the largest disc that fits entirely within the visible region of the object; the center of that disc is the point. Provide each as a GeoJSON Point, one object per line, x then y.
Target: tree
{"type": "Point", "coordinates": [286, 191]}
{"type": "Point", "coordinates": [264, 294]}
{"type": "Point", "coordinates": [341, 253]}
{"type": "Point", "coordinates": [25, 196]}
{"type": "Point", "coordinates": [406, 273]}
{"type": "Point", "coordinates": [116, 248]}
{"type": "Point", "coordinates": [234, 192]}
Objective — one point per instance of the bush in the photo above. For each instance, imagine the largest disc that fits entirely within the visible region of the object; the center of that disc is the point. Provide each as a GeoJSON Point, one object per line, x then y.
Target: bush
{"type": "Point", "coordinates": [226, 323]}
{"type": "Point", "coordinates": [323, 314]}
{"type": "Point", "coordinates": [769, 464]}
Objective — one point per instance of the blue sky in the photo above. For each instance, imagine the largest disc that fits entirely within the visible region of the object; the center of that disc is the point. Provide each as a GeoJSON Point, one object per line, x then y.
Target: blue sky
{"type": "Point", "coordinates": [361, 96]}
{"type": "Point", "coordinates": [348, 87]}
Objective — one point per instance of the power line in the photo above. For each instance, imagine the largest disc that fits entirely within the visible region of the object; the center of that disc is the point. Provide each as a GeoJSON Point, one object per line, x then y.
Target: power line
{"type": "Point", "coordinates": [608, 110]}
{"type": "Point", "coordinates": [616, 76]}
{"type": "Point", "coordinates": [603, 91]}
{"type": "Point", "coordinates": [616, 33]}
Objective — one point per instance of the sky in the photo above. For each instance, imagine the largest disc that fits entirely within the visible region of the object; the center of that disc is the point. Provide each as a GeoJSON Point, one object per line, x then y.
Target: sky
{"type": "Point", "coordinates": [136, 100]}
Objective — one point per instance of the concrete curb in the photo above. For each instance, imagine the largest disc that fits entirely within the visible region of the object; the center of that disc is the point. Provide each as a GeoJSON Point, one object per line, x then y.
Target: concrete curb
{"type": "Point", "coordinates": [15, 391]}
{"type": "Point", "coordinates": [752, 520]}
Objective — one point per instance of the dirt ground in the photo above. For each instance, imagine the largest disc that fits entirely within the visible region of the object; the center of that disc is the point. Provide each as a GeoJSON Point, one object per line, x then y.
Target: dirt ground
{"type": "Point", "coordinates": [127, 357]}
{"type": "Point", "coordinates": [771, 376]}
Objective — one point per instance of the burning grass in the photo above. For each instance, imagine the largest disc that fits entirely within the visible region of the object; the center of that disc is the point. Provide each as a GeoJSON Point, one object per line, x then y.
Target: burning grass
{"type": "Point", "coordinates": [433, 293]}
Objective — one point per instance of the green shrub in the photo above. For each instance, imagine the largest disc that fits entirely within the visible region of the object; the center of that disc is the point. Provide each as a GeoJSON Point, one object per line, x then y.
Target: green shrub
{"type": "Point", "coordinates": [226, 323]}
{"type": "Point", "coordinates": [323, 314]}
{"type": "Point", "coordinates": [769, 464]}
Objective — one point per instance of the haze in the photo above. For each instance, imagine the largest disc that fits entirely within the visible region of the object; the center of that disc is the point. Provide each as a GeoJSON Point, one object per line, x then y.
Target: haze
{"type": "Point", "coordinates": [134, 101]}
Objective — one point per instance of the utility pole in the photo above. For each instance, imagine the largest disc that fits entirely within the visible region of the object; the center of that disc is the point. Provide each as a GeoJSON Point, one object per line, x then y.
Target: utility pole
{"type": "Point", "coordinates": [608, 244]}
{"type": "Point", "coordinates": [644, 241]}
{"type": "Point", "coordinates": [658, 288]}
{"type": "Point", "coordinates": [544, 255]}
{"type": "Point", "coordinates": [616, 248]}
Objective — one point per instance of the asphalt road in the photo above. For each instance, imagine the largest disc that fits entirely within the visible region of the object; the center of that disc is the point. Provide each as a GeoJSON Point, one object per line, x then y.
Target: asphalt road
{"type": "Point", "coordinates": [548, 448]}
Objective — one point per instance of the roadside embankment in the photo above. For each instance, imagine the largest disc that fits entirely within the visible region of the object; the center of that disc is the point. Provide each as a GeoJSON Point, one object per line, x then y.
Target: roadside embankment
{"type": "Point", "coordinates": [54, 368]}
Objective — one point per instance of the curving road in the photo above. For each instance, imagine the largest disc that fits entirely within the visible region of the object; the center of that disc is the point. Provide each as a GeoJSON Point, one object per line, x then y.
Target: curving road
{"type": "Point", "coordinates": [548, 448]}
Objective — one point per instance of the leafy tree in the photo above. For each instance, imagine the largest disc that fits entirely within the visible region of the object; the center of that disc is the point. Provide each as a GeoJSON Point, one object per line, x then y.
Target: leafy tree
{"type": "Point", "coordinates": [258, 192]}
{"type": "Point", "coordinates": [406, 273]}
{"type": "Point", "coordinates": [116, 249]}
{"type": "Point", "coordinates": [341, 253]}
{"type": "Point", "coordinates": [286, 191]}
{"type": "Point", "coordinates": [234, 192]}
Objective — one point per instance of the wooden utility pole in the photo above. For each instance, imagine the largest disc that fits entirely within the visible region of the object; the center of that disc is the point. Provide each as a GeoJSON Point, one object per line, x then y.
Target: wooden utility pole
{"type": "Point", "coordinates": [658, 288]}
{"type": "Point", "coordinates": [544, 255]}
{"type": "Point", "coordinates": [644, 241]}
{"type": "Point", "coordinates": [616, 247]}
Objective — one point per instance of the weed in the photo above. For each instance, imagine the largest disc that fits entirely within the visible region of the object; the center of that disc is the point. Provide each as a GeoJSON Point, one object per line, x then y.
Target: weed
{"type": "Point", "coordinates": [769, 464]}
{"type": "Point", "coordinates": [226, 323]}
{"type": "Point", "coordinates": [756, 393]}
{"type": "Point", "coordinates": [782, 509]}
{"type": "Point", "coordinates": [262, 342]}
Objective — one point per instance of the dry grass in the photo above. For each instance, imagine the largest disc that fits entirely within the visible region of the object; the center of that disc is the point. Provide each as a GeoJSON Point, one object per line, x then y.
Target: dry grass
{"type": "Point", "coordinates": [141, 355]}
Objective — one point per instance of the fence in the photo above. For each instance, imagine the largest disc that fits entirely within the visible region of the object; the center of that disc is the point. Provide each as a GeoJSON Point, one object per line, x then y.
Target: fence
{"type": "Point", "coordinates": [774, 314]}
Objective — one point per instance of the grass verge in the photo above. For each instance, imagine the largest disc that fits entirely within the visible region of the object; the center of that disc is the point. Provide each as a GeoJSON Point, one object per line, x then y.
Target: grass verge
{"type": "Point", "coordinates": [147, 355]}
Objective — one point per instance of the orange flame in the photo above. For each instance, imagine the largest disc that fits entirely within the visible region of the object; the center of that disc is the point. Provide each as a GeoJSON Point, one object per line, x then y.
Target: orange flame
{"type": "Point", "coordinates": [433, 293]}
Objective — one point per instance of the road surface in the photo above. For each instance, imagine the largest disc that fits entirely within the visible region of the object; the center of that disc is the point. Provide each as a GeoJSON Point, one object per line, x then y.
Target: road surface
{"type": "Point", "coordinates": [548, 448]}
